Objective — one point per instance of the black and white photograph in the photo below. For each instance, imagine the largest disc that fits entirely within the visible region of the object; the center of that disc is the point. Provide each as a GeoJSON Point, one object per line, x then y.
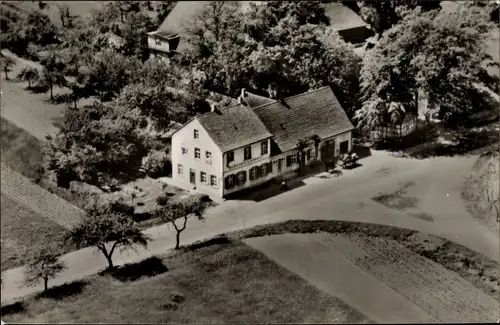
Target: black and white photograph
{"type": "Point", "coordinates": [238, 162]}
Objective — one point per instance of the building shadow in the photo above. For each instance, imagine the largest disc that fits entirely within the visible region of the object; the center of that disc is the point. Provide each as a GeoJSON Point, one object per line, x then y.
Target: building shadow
{"type": "Point", "coordinates": [63, 291]}
{"type": "Point", "coordinates": [150, 267]}
{"type": "Point", "coordinates": [274, 186]}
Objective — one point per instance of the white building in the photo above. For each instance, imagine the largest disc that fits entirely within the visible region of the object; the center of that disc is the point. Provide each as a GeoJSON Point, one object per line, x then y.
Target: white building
{"type": "Point", "coordinates": [248, 144]}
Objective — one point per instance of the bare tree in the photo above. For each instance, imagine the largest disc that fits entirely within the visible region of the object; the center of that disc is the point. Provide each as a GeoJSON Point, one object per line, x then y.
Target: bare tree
{"type": "Point", "coordinates": [63, 13]}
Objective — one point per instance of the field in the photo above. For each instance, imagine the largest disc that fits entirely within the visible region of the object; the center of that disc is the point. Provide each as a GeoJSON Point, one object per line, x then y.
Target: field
{"type": "Point", "coordinates": [20, 150]}
{"type": "Point", "coordinates": [222, 283]}
{"type": "Point", "coordinates": [442, 293]}
{"type": "Point", "coordinates": [22, 229]}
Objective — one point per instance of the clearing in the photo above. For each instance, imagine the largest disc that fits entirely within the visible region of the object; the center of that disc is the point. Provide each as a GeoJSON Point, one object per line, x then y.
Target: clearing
{"type": "Point", "coordinates": [226, 282]}
{"type": "Point", "coordinates": [380, 277]}
{"type": "Point", "coordinates": [22, 229]}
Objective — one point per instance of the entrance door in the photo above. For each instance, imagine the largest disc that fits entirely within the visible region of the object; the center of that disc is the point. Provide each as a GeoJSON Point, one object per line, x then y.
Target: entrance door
{"type": "Point", "coordinates": [328, 150]}
{"type": "Point", "coordinates": [344, 147]}
{"type": "Point", "coordinates": [192, 176]}
{"type": "Point", "coordinates": [280, 164]}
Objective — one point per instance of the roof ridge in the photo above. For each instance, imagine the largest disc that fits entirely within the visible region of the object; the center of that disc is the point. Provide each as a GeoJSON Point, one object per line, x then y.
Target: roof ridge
{"type": "Point", "coordinates": [294, 96]}
{"type": "Point", "coordinates": [214, 112]}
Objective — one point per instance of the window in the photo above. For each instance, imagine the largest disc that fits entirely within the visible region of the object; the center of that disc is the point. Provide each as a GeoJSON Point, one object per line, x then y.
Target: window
{"type": "Point", "coordinates": [254, 173]}
{"type": "Point", "coordinates": [308, 154]}
{"type": "Point", "coordinates": [242, 177]}
{"type": "Point", "coordinates": [196, 134]}
{"type": "Point", "coordinates": [263, 148]}
{"type": "Point", "coordinates": [213, 180]}
{"type": "Point", "coordinates": [248, 153]}
{"type": "Point", "coordinates": [203, 177]}
{"type": "Point", "coordinates": [184, 151]}
{"type": "Point", "coordinates": [229, 181]}
{"type": "Point", "coordinates": [208, 157]}
{"type": "Point", "coordinates": [180, 169]}
{"type": "Point", "coordinates": [158, 43]}
{"type": "Point", "coordinates": [291, 160]}
{"type": "Point", "coordinates": [230, 157]}
{"type": "Point", "coordinates": [197, 153]}
{"type": "Point", "coordinates": [263, 170]}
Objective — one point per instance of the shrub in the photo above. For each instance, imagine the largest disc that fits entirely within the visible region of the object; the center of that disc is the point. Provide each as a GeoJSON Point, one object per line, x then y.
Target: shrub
{"type": "Point", "coordinates": [156, 163]}
{"type": "Point", "coordinates": [162, 200]}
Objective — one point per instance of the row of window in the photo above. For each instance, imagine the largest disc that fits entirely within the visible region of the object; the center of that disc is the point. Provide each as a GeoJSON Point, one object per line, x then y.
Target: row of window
{"type": "Point", "coordinates": [192, 176]}
{"type": "Point", "coordinates": [197, 154]}
{"type": "Point", "coordinates": [247, 152]}
{"type": "Point", "coordinates": [241, 177]}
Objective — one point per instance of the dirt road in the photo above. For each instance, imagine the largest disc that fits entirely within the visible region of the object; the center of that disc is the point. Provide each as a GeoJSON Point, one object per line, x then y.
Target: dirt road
{"type": "Point", "coordinates": [344, 198]}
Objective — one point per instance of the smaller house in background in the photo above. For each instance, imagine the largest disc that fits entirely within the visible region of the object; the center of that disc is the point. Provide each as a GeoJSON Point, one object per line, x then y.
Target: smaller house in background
{"type": "Point", "coordinates": [247, 144]}
{"type": "Point", "coordinates": [162, 42]}
{"type": "Point", "coordinates": [351, 27]}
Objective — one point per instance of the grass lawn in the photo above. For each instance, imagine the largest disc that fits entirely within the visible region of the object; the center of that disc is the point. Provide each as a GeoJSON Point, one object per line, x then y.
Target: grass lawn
{"type": "Point", "coordinates": [20, 150]}
{"type": "Point", "coordinates": [226, 282]}
{"type": "Point", "coordinates": [22, 229]}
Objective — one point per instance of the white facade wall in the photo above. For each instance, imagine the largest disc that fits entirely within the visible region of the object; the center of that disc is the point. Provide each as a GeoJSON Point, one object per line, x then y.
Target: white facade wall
{"type": "Point", "coordinates": [155, 43]}
{"type": "Point", "coordinates": [239, 155]}
{"type": "Point", "coordinates": [184, 138]}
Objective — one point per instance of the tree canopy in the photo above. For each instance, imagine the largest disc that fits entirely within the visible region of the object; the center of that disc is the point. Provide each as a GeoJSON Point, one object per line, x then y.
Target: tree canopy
{"type": "Point", "coordinates": [280, 49]}
{"type": "Point", "coordinates": [107, 229]}
{"type": "Point", "coordinates": [439, 54]}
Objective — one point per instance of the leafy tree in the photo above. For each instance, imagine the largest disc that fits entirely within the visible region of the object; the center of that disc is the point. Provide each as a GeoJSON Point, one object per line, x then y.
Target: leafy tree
{"type": "Point", "coordinates": [293, 59]}
{"type": "Point", "coordinates": [6, 63]}
{"type": "Point", "coordinates": [216, 22]}
{"type": "Point", "coordinates": [382, 15]}
{"type": "Point", "coordinates": [95, 144]}
{"type": "Point", "coordinates": [109, 72]}
{"type": "Point", "coordinates": [437, 53]}
{"type": "Point", "coordinates": [43, 266]}
{"type": "Point", "coordinates": [134, 32]}
{"type": "Point", "coordinates": [29, 74]}
{"type": "Point", "coordinates": [178, 213]}
{"type": "Point", "coordinates": [53, 73]}
{"type": "Point", "coordinates": [107, 230]}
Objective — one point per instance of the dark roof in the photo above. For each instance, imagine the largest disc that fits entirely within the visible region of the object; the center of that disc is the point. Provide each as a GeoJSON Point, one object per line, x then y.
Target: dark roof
{"type": "Point", "coordinates": [233, 127]}
{"type": "Point", "coordinates": [341, 17]}
{"type": "Point", "coordinates": [316, 112]}
{"type": "Point", "coordinates": [254, 100]}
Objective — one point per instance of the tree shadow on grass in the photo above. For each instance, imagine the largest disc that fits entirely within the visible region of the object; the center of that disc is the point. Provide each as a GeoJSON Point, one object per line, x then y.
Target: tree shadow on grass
{"type": "Point", "coordinates": [134, 271]}
{"type": "Point", "coordinates": [63, 291]}
{"type": "Point", "coordinates": [14, 308]}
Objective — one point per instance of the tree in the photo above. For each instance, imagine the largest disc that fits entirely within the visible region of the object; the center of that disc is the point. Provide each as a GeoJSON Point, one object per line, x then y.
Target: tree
{"type": "Point", "coordinates": [107, 230]}
{"type": "Point", "coordinates": [216, 22]}
{"type": "Point", "coordinates": [6, 63]}
{"type": "Point", "coordinates": [109, 72]}
{"type": "Point", "coordinates": [438, 53]}
{"type": "Point", "coordinates": [382, 15]}
{"type": "Point", "coordinates": [96, 144]}
{"type": "Point", "coordinates": [64, 15]}
{"type": "Point", "coordinates": [29, 74]}
{"type": "Point", "coordinates": [53, 73]}
{"type": "Point", "coordinates": [178, 213]}
{"type": "Point", "coordinates": [135, 34]}
{"type": "Point", "coordinates": [43, 266]}
{"type": "Point", "coordinates": [302, 145]}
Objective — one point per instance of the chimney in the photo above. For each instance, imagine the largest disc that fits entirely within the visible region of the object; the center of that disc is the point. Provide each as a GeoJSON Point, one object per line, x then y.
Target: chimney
{"type": "Point", "coordinates": [243, 93]}
{"type": "Point", "coordinates": [213, 107]}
